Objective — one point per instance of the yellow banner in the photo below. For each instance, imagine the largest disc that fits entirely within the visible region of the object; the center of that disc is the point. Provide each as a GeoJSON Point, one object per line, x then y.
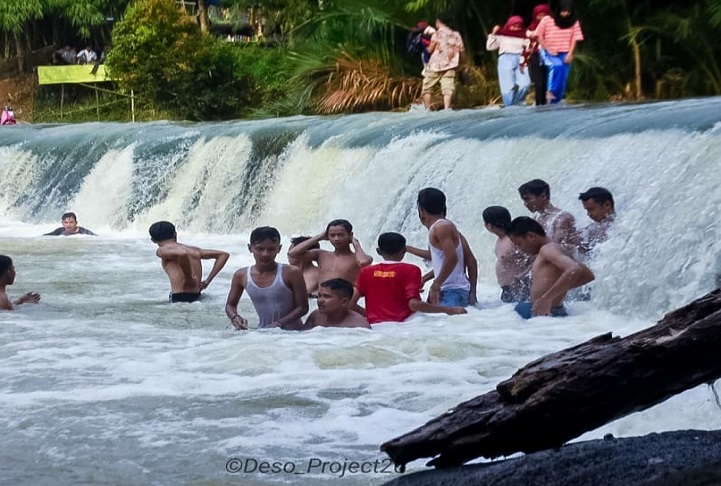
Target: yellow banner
{"type": "Point", "coordinates": [71, 74]}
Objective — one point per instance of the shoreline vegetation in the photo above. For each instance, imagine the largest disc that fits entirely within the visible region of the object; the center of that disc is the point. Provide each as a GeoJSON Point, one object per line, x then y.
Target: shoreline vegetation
{"type": "Point", "coordinates": [301, 57]}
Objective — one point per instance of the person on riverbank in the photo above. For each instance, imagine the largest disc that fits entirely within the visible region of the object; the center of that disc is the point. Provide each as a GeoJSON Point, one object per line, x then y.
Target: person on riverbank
{"type": "Point", "coordinates": [554, 271]}
{"type": "Point", "coordinates": [536, 69]}
{"type": "Point", "coordinates": [334, 307]}
{"type": "Point", "coordinates": [343, 262]}
{"type": "Point", "coordinates": [182, 263]}
{"type": "Point", "coordinates": [308, 269]}
{"type": "Point", "coordinates": [600, 207]}
{"type": "Point", "coordinates": [277, 291]}
{"type": "Point", "coordinates": [451, 287]}
{"type": "Point", "coordinates": [510, 41]}
{"type": "Point", "coordinates": [70, 227]}
{"type": "Point", "coordinates": [559, 225]}
{"type": "Point", "coordinates": [419, 39]}
{"type": "Point", "coordinates": [445, 49]}
{"type": "Point", "coordinates": [512, 265]}
{"type": "Point", "coordinates": [87, 56]}
{"type": "Point", "coordinates": [558, 35]}
{"type": "Point", "coordinates": [66, 55]}
{"type": "Point", "coordinates": [392, 288]}
{"type": "Point", "coordinates": [7, 277]}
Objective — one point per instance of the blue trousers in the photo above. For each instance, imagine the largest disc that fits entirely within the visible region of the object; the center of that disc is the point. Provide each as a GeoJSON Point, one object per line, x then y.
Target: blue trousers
{"type": "Point", "coordinates": [455, 298]}
{"type": "Point", "coordinates": [510, 76]}
{"type": "Point", "coordinates": [557, 73]}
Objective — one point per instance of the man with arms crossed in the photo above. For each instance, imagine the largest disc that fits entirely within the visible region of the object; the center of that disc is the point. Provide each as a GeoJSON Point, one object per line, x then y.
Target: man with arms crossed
{"type": "Point", "coordinates": [7, 277]}
{"type": "Point", "coordinates": [554, 272]}
{"type": "Point", "coordinates": [183, 264]}
{"type": "Point", "coordinates": [334, 299]}
{"type": "Point", "coordinates": [450, 286]}
{"type": "Point", "coordinates": [277, 291]}
{"type": "Point", "coordinates": [342, 262]}
{"type": "Point", "coordinates": [392, 288]}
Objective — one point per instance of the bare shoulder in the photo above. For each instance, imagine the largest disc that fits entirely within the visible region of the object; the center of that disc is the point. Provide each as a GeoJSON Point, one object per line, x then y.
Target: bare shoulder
{"type": "Point", "coordinates": [358, 320]}
{"type": "Point", "coordinates": [5, 303]}
{"type": "Point", "coordinates": [241, 275]}
{"type": "Point", "coordinates": [290, 272]}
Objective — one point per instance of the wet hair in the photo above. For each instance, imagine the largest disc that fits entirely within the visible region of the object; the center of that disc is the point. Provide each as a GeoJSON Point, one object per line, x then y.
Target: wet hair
{"type": "Point", "coordinates": [523, 225]}
{"type": "Point", "coordinates": [340, 286]}
{"type": "Point", "coordinates": [432, 201]}
{"type": "Point", "coordinates": [391, 243]}
{"type": "Point", "coordinates": [536, 187]}
{"type": "Point", "coordinates": [264, 233]}
{"type": "Point", "coordinates": [69, 215]}
{"type": "Point", "coordinates": [340, 222]}
{"type": "Point", "coordinates": [161, 231]}
{"type": "Point", "coordinates": [297, 240]}
{"type": "Point", "coordinates": [497, 216]}
{"type": "Point", "coordinates": [5, 263]}
{"type": "Point", "coordinates": [600, 195]}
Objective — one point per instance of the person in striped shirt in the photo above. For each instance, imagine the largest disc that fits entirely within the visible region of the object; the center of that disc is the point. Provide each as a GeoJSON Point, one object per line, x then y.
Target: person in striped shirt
{"type": "Point", "coordinates": [558, 35]}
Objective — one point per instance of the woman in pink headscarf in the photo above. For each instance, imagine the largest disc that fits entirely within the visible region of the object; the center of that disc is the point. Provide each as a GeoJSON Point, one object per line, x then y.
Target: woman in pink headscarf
{"type": "Point", "coordinates": [512, 73]}
{"type": "Point", "coordinates": [537, 70]}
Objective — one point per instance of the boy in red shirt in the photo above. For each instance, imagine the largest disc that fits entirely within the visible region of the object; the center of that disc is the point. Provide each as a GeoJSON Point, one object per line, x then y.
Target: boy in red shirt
{"type": "Point", "coordinates": [392, 288]}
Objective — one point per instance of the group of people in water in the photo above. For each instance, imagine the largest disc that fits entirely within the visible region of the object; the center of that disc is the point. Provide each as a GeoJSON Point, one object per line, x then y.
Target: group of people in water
{"type": "Point", "coordinates": [538, 261]}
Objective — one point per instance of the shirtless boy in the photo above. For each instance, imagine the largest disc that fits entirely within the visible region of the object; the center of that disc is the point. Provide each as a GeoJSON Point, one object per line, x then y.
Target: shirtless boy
{"type": "Point", "coordinates": [512, 265]}
{"type": "Point", "coordinates": [447, 248]}
{"type": "Point", "coordinates": [599, 205]}
{"type": "Point", "coordinates": [277, 291]}
{"type": "Point", "coordinates": [308, 269]}
{"type": "Point", "coordinates": [342, 262]}
{"type": "Point", "coordinates": [183, 264]}
{"type": "Point", "coordinates": [334, 297]}
{"type": "Point", "coordinates": [554, 271]}
{"type": "Point", "coordinates": [559, 225]}
{"type": "Point", "coordinates": [70, 227]}
{"type": "Point", "coordinates": [7, 277]}
{"type": "Point", "coordinates": [392, 288]}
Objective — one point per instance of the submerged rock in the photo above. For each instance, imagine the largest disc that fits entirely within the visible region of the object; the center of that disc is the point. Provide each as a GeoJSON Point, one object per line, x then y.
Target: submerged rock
{"type": "Point", "coordinates": [688, 458]}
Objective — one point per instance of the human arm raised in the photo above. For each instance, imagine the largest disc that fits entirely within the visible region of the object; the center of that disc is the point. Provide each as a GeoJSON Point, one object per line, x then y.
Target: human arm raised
{"type": "Point", "coordinates": [304, 251]}
{"type": "Point", "coordinates": [361, 258]}
{"type": "Point", "coordinates": [221, 258]}
{"type": "Point", "coordinates": [237, 286]}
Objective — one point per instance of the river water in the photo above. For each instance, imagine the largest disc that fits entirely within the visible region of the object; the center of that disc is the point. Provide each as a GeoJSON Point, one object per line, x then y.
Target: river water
{"type": "Point", "coordinates": [105, 383]}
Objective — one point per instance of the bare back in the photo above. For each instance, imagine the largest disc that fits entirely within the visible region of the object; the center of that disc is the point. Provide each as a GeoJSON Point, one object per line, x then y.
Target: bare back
{"type": "Point", "coordinates": [545, 273]}
{"type": "Point", "coordinates": [511, 263]}
{"type": "Point", "coordinates": [171, 255]}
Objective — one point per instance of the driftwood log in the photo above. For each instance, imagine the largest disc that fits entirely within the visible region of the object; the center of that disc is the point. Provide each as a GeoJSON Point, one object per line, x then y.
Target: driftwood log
{"type": "Point", "coordinates": [562, 395]}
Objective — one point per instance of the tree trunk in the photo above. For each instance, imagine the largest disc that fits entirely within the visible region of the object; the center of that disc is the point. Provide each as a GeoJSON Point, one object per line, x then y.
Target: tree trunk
{"type": "Point", "coordinates": [637, 67]}
{"type": "Point", "coordinates": [203, 17]}
{"type": "Point", "coordinates": [20, 51]}
{"type": "Point", "coordinates": [562, 395]}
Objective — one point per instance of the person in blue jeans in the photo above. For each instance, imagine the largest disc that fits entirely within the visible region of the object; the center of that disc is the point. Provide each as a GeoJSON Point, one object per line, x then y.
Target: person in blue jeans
{"type": "Point", "coordinates": [451, 287]}
{"type": "Point", "coordinates": [513, 77]}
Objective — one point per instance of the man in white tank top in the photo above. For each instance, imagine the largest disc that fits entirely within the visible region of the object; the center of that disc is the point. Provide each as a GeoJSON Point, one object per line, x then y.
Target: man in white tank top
{"type": "Point", "coordinates": [451, 286]}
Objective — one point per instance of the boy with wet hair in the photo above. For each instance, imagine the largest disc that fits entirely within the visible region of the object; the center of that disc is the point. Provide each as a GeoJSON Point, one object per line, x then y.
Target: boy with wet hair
{"type": "Point", "coordinates": [342, 262]}
{"type": "Point", "coordinates": [392, 288]}
{"type": "Point", "coordinates": [70, 227]}
{"type": "Point", "coordinates": [308, 269]}
{"type": "Point", "coordinates": [334, 302]}
{"type": "Point", "coordinates": [7, 277]}
{"type": "Point", "coordinates": [182, 263]}
{"type": "Point", "coordinates": [560, 226]}
{"type": "Point", "coordinates": [600, 207]}
{"type": "Point", "coordinates": [554, 271]}
{"type": "Point", "coordinates": [277, 291]}
{"type": "Point", "coordinates": [512, 265]}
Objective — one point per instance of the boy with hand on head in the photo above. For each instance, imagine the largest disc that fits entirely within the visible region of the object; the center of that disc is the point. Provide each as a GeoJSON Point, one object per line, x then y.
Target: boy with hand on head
{"type": "Point", "coordinates": [309, 269]}
{"type": "Point", "coordinates": [554, 272]}
{"type": "Point", "coordinates": [342, 262]}
{"type": "Point", "coordinates": [277, 291]}
{"type": "Point", "coordinates": [183, 263]}
{"type": "Point", "coordinates": [512, 265]}
{"type": "Point", "coordinates": [392, 288]}
{"type": "Point", "coordinates": [334, 302]}
{"type": "Point", "coordinates": [7, 277]}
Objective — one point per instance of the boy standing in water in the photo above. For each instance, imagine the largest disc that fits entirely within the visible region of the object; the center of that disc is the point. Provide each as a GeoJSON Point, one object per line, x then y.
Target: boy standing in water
{"type": "Point", "coordinates": [183, 264]}
{"type": "Point", "coordinates": [554, 271]}
{"type": "Point", "coordinates": [70, 227]}
{"type": "Point", "coordinates": [450, 286]}
{"type": "Point", "coordinates": [559, 225]}
{"type": "Point", "coordinates": [277, 291]}
{"type": "Point", "coordinates": [392, 288]}
{"type": "Point", "coordinates": [342, 262]}
{"type": "Point", "coordinates": [334, 299]}
{"type": "Point", "coordinates": [7, 277]}
{"type": "Point", "coordinates": [512, 265]}
{"type": "Point", "coordinates": [308, 269]}
{"type": "Point", "coordinates": [599, 205]}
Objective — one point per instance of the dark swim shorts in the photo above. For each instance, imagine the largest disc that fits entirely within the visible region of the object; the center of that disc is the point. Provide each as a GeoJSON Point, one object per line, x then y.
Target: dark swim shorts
{"type": "Point", "coordinates": [524, 310]}
{"type": "Point", "coordinates": [185, 297]}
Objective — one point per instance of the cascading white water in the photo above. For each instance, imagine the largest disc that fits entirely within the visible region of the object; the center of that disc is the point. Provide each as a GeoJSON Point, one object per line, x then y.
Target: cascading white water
{"type": "Point", "coordinates": [102, 382]}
